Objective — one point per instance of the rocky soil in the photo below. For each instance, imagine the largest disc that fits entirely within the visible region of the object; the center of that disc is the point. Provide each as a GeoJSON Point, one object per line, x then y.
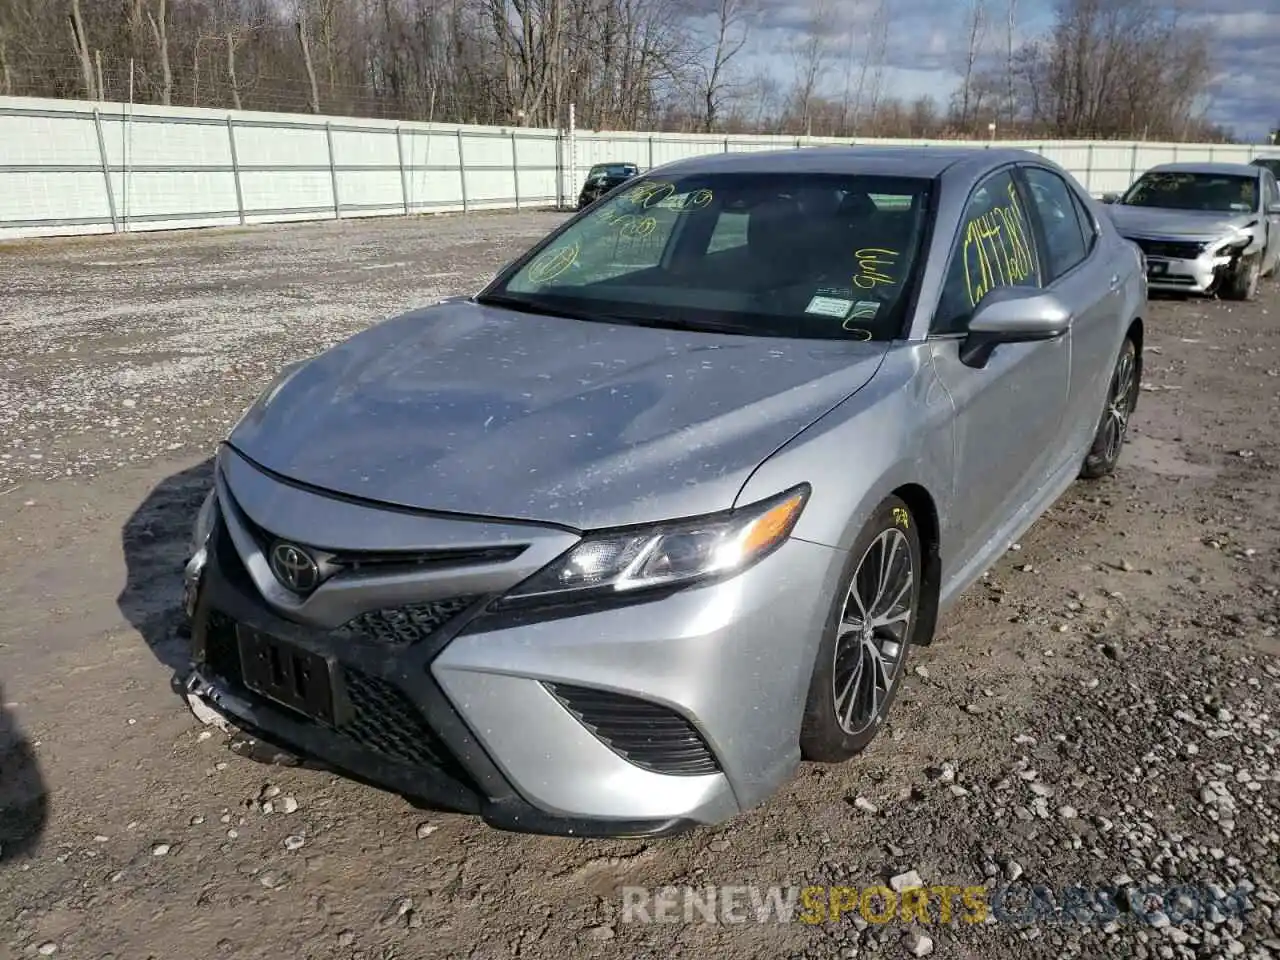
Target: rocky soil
{"type": "Point", "coordinates": [1101, 712]}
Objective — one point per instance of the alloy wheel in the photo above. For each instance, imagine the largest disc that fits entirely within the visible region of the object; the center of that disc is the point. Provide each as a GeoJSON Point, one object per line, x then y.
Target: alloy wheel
{"type": "Point", "coordinates": [874, 629]}
{"type": "Point", "coordinates": [1119, 404]}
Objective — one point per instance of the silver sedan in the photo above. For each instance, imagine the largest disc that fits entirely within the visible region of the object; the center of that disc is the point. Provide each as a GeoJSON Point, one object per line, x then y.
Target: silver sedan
{"type": "Point", "coordinates": [1206, 228]}
{"type": "Point", "coordinates": [609, 547]}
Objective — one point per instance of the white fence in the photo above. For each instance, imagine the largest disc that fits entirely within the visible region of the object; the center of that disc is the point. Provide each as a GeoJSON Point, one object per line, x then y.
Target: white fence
{"type": "Point", "coordinates": [76, 167]}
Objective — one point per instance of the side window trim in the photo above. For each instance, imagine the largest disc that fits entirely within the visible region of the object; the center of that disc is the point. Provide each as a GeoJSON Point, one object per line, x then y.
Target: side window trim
{"type": "Point", "coordinates": [1088, 223]}
{"type": "Point", "coordinates": [957, 247]}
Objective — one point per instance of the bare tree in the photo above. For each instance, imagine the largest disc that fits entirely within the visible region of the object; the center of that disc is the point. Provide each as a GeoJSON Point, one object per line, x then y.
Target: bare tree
{"type": "Point", "coordinates": [810, 52]}
{"type": "Point", "coordinates": [76, 19]}
{"type": "Point", "coordinates": [877, 50]}
{"type": "Point", "coordinates": [975, 31]}
{"type": "Point", "coordinates": [1011, 26]}
{"type": "Point", "coordinates": [311, 72]}
{"type": "Point", "coordinates": [872, 60]}
{"type": "Point", "coordinates": [159, 29]}
{"type": "Point", "coordinates": [730, 34]}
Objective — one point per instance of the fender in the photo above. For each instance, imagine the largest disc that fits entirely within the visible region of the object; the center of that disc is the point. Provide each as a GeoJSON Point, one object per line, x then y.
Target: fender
{"type": "Point", "coordinates": [897, 430]}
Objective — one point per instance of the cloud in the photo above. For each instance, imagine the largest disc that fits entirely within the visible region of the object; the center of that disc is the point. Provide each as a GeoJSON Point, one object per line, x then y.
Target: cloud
{"type": "Point", "coordinates": [926, 42]}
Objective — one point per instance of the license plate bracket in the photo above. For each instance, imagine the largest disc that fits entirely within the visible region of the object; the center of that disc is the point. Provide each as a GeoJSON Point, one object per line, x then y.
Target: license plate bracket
{"type": "Point", "coordinates": [286, 674]}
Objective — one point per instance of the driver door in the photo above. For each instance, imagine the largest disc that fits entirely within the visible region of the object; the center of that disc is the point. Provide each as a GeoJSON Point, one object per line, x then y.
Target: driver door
{"type": "Point", "coordinates": [1009, 413]}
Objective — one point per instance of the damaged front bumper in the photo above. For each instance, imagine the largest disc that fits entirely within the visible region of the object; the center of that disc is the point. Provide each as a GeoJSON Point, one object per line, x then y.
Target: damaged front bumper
{"type": "Point", "coordinates": [1197, 266]}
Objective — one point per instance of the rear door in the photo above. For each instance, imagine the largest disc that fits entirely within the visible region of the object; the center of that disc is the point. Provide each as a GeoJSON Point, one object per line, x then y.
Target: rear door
{"type": "Point", "coordinates": [1009, 413]}
{"type": "Point", "coordinates": [1074, 268]}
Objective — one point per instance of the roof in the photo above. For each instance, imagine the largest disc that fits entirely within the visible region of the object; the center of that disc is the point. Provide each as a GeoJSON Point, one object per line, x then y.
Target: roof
{"type": "Point", "coordinates": [1225, 169]}
{"type": "Point", "coordinates": [896, 161]}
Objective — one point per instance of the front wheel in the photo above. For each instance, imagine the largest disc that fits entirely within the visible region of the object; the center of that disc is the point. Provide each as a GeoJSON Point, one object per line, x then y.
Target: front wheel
{"type": "Point", "coordinates": [1122, 397]}
{"type": "Point", "coordinates": [1242, 282]}
{"type": "Point", "coordinates": [873, 622]}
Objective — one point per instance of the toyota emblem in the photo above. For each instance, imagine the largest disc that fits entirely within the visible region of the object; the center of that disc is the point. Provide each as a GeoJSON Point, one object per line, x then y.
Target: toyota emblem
{"type": "Point", "coordinates": [294, 568]}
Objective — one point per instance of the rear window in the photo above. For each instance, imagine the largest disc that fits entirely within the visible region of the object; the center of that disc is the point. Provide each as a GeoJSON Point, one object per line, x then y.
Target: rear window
{"type": "Point", "coordinates": [766, 254]}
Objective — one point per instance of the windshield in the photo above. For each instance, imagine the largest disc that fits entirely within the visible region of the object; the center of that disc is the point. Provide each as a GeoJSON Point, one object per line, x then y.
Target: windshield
{"type": "Point", "coordinates": [1221, 193]}
{"type": "Point", "coordinates": [793, 255]}
{"type": "Point", "coordinates": [612, 170]}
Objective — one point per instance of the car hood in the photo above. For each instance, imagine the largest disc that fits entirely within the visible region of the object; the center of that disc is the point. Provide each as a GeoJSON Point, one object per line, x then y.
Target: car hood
{"type": "Point", "coordinates": [476, 410]}
{"type": "Point", "coordinates": [1159, 222]}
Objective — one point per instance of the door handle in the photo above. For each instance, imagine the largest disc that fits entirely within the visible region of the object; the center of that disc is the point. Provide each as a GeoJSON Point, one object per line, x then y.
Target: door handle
{"type": "Point", "coordinates": [1115, 281]}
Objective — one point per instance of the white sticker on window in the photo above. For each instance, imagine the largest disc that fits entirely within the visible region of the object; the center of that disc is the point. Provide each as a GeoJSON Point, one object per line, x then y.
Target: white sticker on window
{"type": "Point", "coordinates": [829, 307]}
{"type": "Point", "coordinates": [865, 309]}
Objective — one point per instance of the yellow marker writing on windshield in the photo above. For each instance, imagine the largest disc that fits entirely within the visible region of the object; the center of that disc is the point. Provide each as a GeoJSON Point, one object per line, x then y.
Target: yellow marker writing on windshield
{"type": "Point", "coordinates": [873, 266]}
{"type": "Point", "coordinates": [553, 263]}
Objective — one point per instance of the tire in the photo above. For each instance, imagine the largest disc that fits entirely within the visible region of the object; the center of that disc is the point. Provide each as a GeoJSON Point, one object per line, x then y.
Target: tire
{"type": "Point", "coordinates": [1242, 282]}
{"type": "Point", "coordinates": [1113, 427]}
{"type": "Point", "coordinates": [846, 651]}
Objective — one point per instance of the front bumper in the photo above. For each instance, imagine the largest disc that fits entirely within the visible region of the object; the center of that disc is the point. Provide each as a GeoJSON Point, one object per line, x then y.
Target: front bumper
{"type": "Point", "coordinates": [636, 720]}
{"type": "Point", "coordinates": [1180, 266]}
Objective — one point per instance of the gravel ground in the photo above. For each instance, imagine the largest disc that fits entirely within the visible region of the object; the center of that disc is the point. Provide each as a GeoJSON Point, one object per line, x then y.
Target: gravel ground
{"type": "Point", "coordinates": [1100, 711]}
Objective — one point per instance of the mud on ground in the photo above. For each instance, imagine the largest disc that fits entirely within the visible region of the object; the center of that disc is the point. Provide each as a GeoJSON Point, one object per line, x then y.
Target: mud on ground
{"type": "Point", "coordinates": [1101, 709]}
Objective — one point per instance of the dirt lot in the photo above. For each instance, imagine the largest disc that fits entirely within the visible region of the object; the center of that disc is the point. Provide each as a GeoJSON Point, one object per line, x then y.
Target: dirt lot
{"type": "Point", "coordinates": [1101, 710]}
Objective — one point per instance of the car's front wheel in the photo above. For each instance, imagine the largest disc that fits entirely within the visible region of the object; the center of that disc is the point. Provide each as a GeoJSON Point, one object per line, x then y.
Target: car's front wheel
{"type": "Point", "coordinates": [1122, 398]}
{"type": "Point", "coordinates": [1242, 282]}
{"type": "Point", "coordinates": [862, 657]}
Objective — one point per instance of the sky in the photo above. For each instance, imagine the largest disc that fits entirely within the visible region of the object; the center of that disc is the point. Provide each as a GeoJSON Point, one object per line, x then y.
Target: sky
{"type": "Point", "coordinates": [927, 38]}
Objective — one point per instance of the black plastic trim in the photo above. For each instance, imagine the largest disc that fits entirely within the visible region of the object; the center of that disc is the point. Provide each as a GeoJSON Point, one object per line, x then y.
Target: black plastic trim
{"type": "Point", "coordinates": [483, 789]}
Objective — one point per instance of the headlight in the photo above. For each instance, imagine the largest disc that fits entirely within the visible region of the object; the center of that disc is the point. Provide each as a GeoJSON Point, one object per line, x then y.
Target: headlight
{"type": "Point", "coordinates": [205, 519]}
{"type": "Point", "coordinates": [1237, 241]}
{"type": "Point", "coordinates": [669, 554]}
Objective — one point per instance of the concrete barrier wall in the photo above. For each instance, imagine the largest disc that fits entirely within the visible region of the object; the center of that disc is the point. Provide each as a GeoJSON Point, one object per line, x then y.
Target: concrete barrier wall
{"type": "Point", "coordinates": [77, 167]}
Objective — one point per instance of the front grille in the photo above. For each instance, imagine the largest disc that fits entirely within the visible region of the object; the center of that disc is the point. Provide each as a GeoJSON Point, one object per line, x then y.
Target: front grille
{"type": "Point", "coordinates": [385, 721]}
{"type": "Point", "coordinates": [403, 626]}
{"type": "Point", "coordinates": [221, 652]}
{"type": "Point", "coordinates": [389, 561]}
{"type": "Point", "coordinates": [381, 719]}
{"type": "Point", "coordinates": [1173, 249]}
{"type": "Point", "coordinates": [652, 737]}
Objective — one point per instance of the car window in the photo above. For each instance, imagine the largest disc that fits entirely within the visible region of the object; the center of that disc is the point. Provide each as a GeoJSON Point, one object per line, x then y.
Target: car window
{"type": "Point", "coordinates": [994, 247]}
{"type": "Point", "coordinates": [730, 231]}
{"type": "Point", "coordinates": [1183, 190]}
{"type": "Point", "coordinates": [1065, 244]}
{"type": "Point", "coordinates": [797, 254]}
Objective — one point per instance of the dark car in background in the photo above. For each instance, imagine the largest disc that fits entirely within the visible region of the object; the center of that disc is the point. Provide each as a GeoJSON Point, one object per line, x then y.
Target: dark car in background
{"type": "Point", "coordinates": [602, 178]}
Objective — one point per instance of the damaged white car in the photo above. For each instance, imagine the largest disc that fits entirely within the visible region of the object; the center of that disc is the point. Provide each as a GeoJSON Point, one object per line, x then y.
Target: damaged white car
{"type": "Point", "coordinates": [1205, 228]}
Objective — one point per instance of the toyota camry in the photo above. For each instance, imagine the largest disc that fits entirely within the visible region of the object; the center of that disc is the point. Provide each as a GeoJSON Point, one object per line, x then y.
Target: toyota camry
{"type": "Point", "coordinates": [609, 547]}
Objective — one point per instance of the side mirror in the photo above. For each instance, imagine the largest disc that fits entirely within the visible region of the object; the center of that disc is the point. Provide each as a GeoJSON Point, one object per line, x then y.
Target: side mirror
{"type": "Point", "coordinates": [1012, 315]}
{"type": "Point", "coordinates": [1110, 198]}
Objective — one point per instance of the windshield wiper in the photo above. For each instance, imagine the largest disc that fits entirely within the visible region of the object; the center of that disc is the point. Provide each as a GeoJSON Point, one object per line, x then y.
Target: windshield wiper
{"type": "Point", "coordinates": [538, 307]}
{"type": "Point", "coordinates": [674, 323]}
{"type": "Point", "coordinates": [531, 306]}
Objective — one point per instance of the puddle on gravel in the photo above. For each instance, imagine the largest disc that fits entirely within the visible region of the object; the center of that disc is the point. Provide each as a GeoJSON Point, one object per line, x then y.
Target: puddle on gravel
{"type": "Point", "coordinates": [1163, 457]}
